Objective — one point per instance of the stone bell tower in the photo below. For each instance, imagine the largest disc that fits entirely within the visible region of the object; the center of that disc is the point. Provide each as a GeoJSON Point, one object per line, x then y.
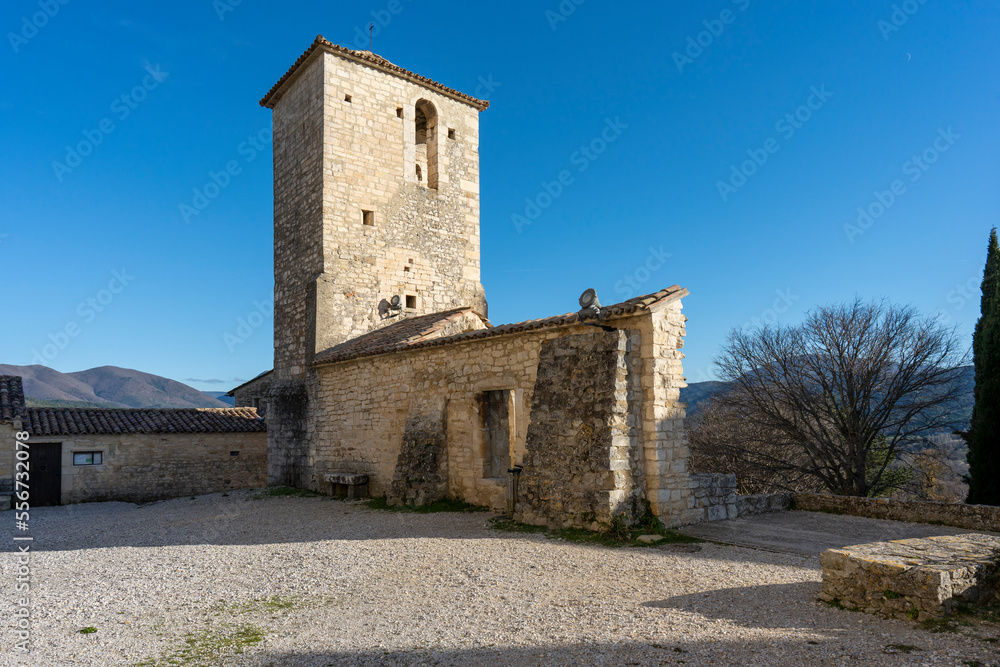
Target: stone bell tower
{"type": "Point", "coordinates": [376, 196]}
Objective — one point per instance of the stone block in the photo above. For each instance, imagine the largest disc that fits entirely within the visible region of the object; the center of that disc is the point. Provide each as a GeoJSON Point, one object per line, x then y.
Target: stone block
{"type": "Point", "coordinates": [717, 513]}
{"type": "Point", "coordinates": [914, 578]}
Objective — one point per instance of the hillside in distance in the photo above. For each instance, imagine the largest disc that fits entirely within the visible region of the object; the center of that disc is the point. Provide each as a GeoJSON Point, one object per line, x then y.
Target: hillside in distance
{"type": "Point", "coordinates": [106, 387]}
{"type": "Point", "coordinates": [698, 395]}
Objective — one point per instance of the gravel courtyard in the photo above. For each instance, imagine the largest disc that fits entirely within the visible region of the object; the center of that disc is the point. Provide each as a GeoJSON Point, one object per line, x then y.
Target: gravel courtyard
{"type": "Point", "coordinates": [249, 579]}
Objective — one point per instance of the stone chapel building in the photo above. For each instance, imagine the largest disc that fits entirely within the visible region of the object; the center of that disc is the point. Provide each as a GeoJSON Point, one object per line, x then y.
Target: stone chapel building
{"type": "Point", "coordinates": [385, 364]}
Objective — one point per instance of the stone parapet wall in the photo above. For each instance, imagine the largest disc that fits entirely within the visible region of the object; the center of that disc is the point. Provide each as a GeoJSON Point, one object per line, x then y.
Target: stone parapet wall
{"type": "Point", "coordinates": [917, 579]}
{"type": "Point", "coordinates": [973, 517]}
{"type": "Point", "coordinates": [763, 503]}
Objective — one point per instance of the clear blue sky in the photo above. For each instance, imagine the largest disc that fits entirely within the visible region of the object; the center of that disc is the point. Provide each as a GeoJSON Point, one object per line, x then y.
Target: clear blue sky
{"type": "Point", "coordinates": [682, 123]}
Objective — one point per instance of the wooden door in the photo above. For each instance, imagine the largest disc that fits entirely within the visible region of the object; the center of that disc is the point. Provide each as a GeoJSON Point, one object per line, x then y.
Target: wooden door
{"type": "Point", "coordinates": [45, 468]}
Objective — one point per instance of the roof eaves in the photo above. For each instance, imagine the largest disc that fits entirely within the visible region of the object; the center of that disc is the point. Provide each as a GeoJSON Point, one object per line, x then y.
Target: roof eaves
{"type": "Point", "coordinates": [371, 60]}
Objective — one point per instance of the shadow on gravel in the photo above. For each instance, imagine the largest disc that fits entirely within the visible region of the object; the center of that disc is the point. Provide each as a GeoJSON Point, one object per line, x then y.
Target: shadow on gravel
{"type": "Point", "coordinates": [825, 650]}
{"type": "Point", "coordinates": [750, 606]}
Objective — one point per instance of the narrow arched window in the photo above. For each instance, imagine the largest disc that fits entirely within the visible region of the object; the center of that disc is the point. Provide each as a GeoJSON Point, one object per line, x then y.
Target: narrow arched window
{"type": "Point", "coordinates": [425, 136]}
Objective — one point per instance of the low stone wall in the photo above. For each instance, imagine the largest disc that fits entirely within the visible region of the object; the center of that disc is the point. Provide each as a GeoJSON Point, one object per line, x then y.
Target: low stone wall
{"type": "Point", "coordinates": [715, 494]}
{"type": "Point", "coordinates": [763, 503]}
{"type": "Point", "coordinates": [917, 579]}
{"type": "Point", "coordinates": [973, 517]}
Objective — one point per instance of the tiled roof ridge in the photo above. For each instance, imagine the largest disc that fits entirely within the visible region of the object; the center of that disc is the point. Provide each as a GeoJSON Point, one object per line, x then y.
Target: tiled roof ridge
{"type": "Point", "coordinates": [644, 302]}
{"type": "Point", "coordinates": [79, 421]}
{"type": "Point", "coordinates": [11, 397]}
{"type": "Point", "coordinates": [369, 58]}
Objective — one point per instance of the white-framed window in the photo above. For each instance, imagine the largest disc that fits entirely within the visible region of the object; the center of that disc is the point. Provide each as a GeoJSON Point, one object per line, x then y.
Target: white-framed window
{"type": "Point", "coordinates": [88, 458]}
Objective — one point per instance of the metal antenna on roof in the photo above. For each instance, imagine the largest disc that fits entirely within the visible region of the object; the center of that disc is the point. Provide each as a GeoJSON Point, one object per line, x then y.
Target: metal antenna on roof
{"type": "Point", "coordinates": [371, 39]}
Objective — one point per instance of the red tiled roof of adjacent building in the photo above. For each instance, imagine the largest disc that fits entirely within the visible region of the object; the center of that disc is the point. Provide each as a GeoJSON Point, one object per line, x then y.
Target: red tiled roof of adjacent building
{"type": "Point", "coordinates": [84, 421]}
{"type": "Point", "coordinates": [373, 60]}
{"type": "Point", "coordinates": [418, 332]}
{"type": "Point", "coordinates": [11, 398]}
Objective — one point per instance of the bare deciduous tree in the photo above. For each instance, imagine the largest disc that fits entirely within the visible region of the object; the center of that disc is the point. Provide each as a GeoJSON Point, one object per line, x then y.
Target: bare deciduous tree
{"type": "Point", "coordinates": [834, 400]}
{"type": "Point", "coordinates": [722, 440]}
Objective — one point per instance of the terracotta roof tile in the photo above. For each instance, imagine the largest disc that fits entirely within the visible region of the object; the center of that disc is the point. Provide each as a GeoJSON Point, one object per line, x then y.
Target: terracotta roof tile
{"type": "Point", "coordinates": [398, 336]}
{"type": "Point", "coordinates": [369, 58]}
{"type": "Point", "coordinates": [80, 421]}
{"type": "Point", "coordinates": [11, 398]}
{"type": "Point", "coordinates": [403, 336]}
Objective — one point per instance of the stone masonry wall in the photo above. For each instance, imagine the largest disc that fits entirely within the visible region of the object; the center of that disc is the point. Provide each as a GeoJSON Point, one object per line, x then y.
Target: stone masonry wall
{"type": "Point", "coordinates": [367, 402]}
{"type": "Point", "coordinates": [973, 517]}
{"type": "Point", "coordinates": [577, 462]}
{"type": "Point", "coordinates": [298, 125]}
{"type": "Point", "coordinates": [422, 466]}
{"type": "Point", "coordinates": [763, 503]}
{"type": "Point", "coordinates": [145, 467]}
{"type": "Point", "coordinates": [716, 495]}
{"type": "Point", "coordinates": [425, 241]}
{"type": "Point", "coordinates": [668, 486]}
{"type": "Point", "coordinates": [256, 389]}
{"type": "Point", "coordinates": [289, 448]}
{"type": "Point", "coordinates": [7, 447]}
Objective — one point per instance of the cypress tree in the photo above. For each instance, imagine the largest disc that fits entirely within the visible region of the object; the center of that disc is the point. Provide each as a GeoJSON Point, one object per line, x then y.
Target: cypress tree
{"type": "Point", "coordinates": [984, 432]}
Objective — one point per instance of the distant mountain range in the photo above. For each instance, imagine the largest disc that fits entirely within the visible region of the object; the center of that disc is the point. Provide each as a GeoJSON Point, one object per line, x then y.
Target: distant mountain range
{"type": "Point", "coordinates": [698, 394]}
{"type": "Point", "coordinates": [107, 387]}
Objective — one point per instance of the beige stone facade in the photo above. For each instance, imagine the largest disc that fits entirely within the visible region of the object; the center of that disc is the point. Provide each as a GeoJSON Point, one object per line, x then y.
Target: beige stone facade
{"type": "Point", "coordinates": [365, 404]}
{"type": "Point", "coordinates": [141, 467]}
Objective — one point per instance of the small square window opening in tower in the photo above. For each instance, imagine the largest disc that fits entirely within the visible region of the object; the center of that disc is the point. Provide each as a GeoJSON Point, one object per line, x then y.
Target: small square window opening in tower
{"type": "Point", "coordinates": [411, 301]}
{"type": "Point", "coordinates": [368, 218]}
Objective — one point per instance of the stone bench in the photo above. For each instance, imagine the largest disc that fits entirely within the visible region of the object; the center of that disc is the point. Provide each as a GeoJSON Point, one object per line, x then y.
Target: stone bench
{"type": "Point", "coordinates": [347, 484]}
{"type": "Point", "coordinates": [918, 579]}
